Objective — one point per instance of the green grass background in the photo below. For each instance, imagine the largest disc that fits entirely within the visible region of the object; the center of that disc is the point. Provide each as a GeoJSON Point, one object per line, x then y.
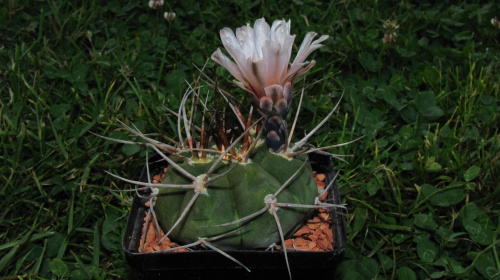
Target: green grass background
{"type": "Point", "coordinates": [422, 187]}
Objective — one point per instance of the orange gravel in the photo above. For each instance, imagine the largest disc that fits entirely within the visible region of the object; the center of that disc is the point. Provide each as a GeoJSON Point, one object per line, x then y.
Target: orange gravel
{"type": "Point", "coordinates": [315, 235]}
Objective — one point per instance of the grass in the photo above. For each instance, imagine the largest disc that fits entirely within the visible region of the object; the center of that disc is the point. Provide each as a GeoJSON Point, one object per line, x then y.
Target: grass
{"type": "Point", "coordinates": [422, 187]}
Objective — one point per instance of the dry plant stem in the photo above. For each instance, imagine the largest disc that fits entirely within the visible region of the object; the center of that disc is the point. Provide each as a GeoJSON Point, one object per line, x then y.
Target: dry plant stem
{"type": "Point", "coordinates": [225, 140]}
{"type": "Point", "coordinates": [244, 219]}
{"type": "Point", "coordinates": [186, 122]}
{"type": "Point", "coordinates": [335, 146]}
{"type": "Point", "coordinates": [151, 199]}
{"type": "Point", "coordinates": [213, 179]}
{"type": "Point", "coordinates": [212, 168]}
{"type": "Point", "coordinates": [206, 243]}
{"type": "Point", "coordinates": [282, 236]}
{"type": "Point", "coordinates": [179, 114]}
{"type": "Point", "coordinates": [303, 141]}
{"type": "Point", "coordinates": [330, 184]}
{"type": "Point", "coordinates": [164, 137]}
{"type": "Point", "coordinates": [162, 146]}
{"type": "Point", "coordinates": [203, 150]}
{"type": "Point", "coordinates": [151, 185]}
{"type": "Point", "coordinates": [188, 207]}
{"type": "Point", "coordinates": [335, 156]}
{"type": "Point", "coordinates": [202, 134]}
{"type": "Point", "coordinates": [174, 165]}
{"type": "Point", "coordinates": [213, 85]}
{"type": "Point", "coordinates": [296, 118]}
{"type": "Point", "coordinates": [236, 111]}
{"type": "Point", "coordinates": [244, 146]}
{"type": "Point", "coordinates": [254, 144]}
{"type": "Point", "coordinates": [150, 141]}
{"type": "Point", "coordinates": [290, 179]}
{"type": "Point", "coordinates": [319, 205]}
{"type": "Point", "coordinates": [148, 218]}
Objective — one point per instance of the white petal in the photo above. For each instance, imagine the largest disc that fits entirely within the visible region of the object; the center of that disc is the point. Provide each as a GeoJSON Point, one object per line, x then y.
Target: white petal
{"type": "Point", "coordinates": [298, 70]}
{"type": "Point", "coordinates": [306, 48]}
{"type": "Point", "coordinates": [228, 38]}
{"type": "Point", "coordinates": [271, 54]}
{"type": "Point", "coordinates": [286, 53]}
{"type": "Point", "coordinates": [255, 72]}
{"type": "Point", "coordinates": [245, 37]}
{"type": "Point", "coordinates": [278, 31]}
{"type": "Point", "coordinates": [232, 46]}
{"type": "Point", "coordinates": [224, 61]}
{"type": "Point", "coordinates": [261, 34]}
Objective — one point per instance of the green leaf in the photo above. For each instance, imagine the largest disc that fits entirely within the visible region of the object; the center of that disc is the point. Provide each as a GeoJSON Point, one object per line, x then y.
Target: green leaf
{"type": "Point", "coordinates": [59, 268]}
{"type": "Point", "coordinates": [372, 187]}
{"type": "Point", "coordinates": [451, 265]}
{"type": "Point", "coordinates": [58, 110]}
{"type": "Point", "coordinates": [471, 226]}
{"type": "Point", "coordinates": [369, 63]}
{"type": "Point", "coordinates": [386, 262]}
{"type": "Point", "coordinates": [484, 237]}
{"type": "Point", "coordinates": [486, 265]}
{"type": "Point", "coordinates": [359, 221]}
{"type": "Point", "coordinates": [433, 167]}
{"type": "Point", "coordinates": [405, 273]}
{"type": "Point", "coordinates": [353, 275]}
{"type": "Point", "coordinates": [470, 210]}
{"type": "Point", "coordinates": [130, 149]}
{"type": "Point", "coordinates": [54, 243]}
{"type": "Point", "coordinates": [175, 82]}
{"type": "Point", "coordinates": [368, 267]}
{"type": "Point", "coordinates": [472, 173]}
{"type": "Point", "coordinates": [444, 198]}
{"type": "Point", "coordinates": [426, 250]}
{"type": "Point", "coordinates": [425, 221]}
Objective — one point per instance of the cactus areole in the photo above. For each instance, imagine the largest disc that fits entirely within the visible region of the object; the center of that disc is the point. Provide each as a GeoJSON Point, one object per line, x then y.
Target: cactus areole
{"type": "Point", "coordinates": [241, 192]}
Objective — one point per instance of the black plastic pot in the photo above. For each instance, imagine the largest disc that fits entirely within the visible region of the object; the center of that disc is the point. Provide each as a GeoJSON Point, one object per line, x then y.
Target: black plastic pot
{"type": "Point", "coordinates": [207, 264]}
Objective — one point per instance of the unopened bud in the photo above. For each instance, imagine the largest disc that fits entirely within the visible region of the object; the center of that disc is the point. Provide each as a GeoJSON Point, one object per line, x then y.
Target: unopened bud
{"type": "Point", "coordinates": [495, 22]}
{"type": "Point", "coordinates": [169, 16]}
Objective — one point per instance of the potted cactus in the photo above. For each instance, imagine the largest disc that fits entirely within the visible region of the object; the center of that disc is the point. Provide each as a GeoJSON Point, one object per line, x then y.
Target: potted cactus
{"type": "Point", "coordinates": [235, 185]}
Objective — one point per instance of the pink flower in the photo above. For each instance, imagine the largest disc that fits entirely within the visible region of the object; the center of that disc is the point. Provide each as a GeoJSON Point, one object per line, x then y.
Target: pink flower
{"type": "Point", "coordinates": [262, 60]}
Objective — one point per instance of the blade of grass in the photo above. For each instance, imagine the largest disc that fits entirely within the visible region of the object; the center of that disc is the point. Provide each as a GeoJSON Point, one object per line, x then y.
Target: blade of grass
{"type": "Point", "coordinates": [58, 139]}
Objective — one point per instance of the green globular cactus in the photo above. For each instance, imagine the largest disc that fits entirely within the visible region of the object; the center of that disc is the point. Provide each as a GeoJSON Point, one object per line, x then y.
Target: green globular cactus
{"type": "Point", "coordinates": [242, 191]}
{"type": "Point", "coordinates": [240, 184]}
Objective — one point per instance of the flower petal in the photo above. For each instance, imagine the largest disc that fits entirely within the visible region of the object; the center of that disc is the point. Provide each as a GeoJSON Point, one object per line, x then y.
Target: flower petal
{"type": "Point", "coordinates": [296, 70]}
{"type": "Point", "coordinates": [307, 46]}
{"type": "Point", "coordinates": [245, 36]}
{"type": "Point", "coordinates": [261, 34]}
{"type": "Point", "coordinates": [224, 61]}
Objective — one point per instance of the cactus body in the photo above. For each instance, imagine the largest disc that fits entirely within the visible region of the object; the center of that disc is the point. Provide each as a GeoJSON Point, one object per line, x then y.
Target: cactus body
{"type": "Point", "coordinates": [236, 195]}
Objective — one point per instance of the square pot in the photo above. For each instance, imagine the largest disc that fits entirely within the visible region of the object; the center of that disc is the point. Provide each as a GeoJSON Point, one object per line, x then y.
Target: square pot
{"type": "Point", "coordinates": [208, 264]}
